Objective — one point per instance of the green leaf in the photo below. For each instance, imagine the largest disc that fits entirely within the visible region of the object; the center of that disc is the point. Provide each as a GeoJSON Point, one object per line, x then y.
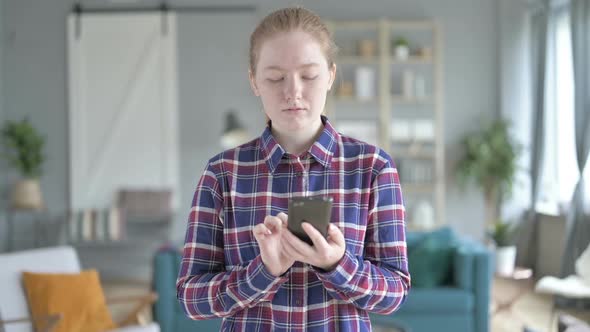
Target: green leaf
{"type": "Point", "coordinates": [489, 158]}
{"type": "Point", "coordinates": [23, 147]}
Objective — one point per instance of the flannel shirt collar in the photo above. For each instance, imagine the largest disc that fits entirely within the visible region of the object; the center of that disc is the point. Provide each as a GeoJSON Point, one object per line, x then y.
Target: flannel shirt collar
{"type": "Point", "coordinates": [322, 149]}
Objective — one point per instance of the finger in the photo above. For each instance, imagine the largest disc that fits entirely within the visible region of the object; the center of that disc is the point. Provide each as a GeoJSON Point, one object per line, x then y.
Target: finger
{"type": "Point", "coordinates": [291, 249]}
{"type": "Point", "coordinates": [316, 237]}
{"type": "Point", "coordinates": [273, 223]}
{"type": "Point", "coordinates": [293, 239]}
{"type": "Point", "coordinates": [307, 251]}
{"type": "Point", "coordinates": [260, 231]}
{"type": "Point", "coordinates": [283, 217]}
{"type": "Point", "coordinates": [291, 252]}
{"type": "Point", "coordinates": [336, 236]}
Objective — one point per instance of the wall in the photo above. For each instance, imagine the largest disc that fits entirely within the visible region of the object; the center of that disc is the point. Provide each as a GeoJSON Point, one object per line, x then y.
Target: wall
{"type": "Point", "coordinates": [516, 96]}
{"type": "Point", "coordinates": [34, 52]}
{"type": "Point", "coordinates": [3, 170]}
{"type": "Point", "coordinates": [1, 67]}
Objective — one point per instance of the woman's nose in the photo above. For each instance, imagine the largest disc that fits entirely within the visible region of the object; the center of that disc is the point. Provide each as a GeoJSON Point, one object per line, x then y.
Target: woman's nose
{"type": "Point", "coordinates": [293, 89]}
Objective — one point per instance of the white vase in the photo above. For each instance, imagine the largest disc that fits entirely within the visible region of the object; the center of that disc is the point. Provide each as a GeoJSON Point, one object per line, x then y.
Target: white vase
{"type": "Point", "coordinates": [402, 52]}
{"type": "Point", "coordinates": [505, 258]}
{"type": "Point", "coordinates": [408, 84]}
{"type": "Point", "coordinates": [365, 83]}
{"type": "Point", "coordinates": [423, 218]}
{"type": "Point", "coordinates": [27, 195]}
{"type": "Point", "coordinates": [419, 87]}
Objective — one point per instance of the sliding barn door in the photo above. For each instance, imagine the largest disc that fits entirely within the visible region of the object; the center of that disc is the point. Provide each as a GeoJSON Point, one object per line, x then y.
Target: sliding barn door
{"type": "Point", "coordinates": [123, 105]}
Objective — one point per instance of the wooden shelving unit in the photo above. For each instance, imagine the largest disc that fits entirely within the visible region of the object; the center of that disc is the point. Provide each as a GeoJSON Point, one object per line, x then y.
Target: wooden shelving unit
{"type": "Point", "coordinates": [393, 105]}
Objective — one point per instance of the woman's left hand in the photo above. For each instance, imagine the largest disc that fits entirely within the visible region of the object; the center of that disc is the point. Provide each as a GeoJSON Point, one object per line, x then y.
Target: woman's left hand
{"type": "Point", "coordinates": [325, 253]}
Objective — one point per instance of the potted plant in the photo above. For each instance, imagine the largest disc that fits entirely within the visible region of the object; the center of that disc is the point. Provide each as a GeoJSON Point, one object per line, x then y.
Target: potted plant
{"type": "Point", "coordinates": [23, 150]}
{"type": "Point", "coordinates": [489, 160]}
{"type": "Point", "coordinates": [501, 234]}
{"type": "Point", "coordinates": [401, 48]}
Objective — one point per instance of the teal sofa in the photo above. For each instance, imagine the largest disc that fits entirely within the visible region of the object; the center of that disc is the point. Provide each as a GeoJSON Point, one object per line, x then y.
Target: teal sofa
{"type": "Point", "coordinates": [167, 310]}
{"type": "Point", "coordinates": [460, 304]}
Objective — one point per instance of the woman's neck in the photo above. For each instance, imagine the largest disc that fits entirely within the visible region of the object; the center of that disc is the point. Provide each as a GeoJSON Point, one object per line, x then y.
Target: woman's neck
{"type": "Point", "coordinates": [298, 142]}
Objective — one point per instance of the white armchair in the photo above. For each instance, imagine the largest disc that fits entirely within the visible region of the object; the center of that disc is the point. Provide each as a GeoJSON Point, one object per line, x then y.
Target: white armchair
{"type": "Point", "coordinates": [14, 311]}
{"type": "Point", "coordinates": [575, 286]}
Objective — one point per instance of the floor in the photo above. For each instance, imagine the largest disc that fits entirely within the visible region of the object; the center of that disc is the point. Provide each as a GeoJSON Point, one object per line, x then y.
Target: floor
{"type": "Point", "coordinates": [529, 309]}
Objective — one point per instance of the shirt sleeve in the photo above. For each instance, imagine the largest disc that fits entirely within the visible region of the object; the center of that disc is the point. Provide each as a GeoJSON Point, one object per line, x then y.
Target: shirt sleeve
{"type": "Point", "coordinates": [205, 289]}
{"type": "Point", "coordinates": [379, 281]}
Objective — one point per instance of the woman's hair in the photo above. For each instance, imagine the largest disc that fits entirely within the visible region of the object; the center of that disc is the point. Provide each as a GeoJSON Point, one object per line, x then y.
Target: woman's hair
{"type": "Point", "coordinates": [292, 19]}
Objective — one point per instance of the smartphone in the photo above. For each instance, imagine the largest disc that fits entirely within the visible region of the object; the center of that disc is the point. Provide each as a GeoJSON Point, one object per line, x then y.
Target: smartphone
{"type": "Point", "coordinates": [315, 210]}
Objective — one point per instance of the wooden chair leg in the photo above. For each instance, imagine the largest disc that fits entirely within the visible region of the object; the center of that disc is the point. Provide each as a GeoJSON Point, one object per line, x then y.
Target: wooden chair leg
{"type": "Point", "coordinates": [553, 319]}
{"type": "Point", "coordinates": [142, 301]}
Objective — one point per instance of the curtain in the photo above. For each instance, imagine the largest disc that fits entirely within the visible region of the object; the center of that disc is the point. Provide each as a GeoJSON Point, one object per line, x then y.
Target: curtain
{"type": "Point", "coordinates": [527, 235]}
{"type": "Point", "coordinates": [578, 219]}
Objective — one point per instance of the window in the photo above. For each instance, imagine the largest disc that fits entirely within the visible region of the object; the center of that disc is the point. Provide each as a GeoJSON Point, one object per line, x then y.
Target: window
{"type": "Point", "coordinates": [559, 173]}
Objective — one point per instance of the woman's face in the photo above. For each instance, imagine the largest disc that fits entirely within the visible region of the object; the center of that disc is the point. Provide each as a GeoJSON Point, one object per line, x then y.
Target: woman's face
{"type": "Point", "coordinates": [292, 79]}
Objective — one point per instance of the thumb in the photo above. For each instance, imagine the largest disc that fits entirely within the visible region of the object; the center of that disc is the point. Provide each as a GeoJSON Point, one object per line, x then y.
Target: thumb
{"type": "Point", "coordinates": [335, 234]}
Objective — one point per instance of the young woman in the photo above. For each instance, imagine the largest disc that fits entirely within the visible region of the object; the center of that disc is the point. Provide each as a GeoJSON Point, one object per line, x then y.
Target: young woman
{"type": "Point", "coordinates": [240, 261]}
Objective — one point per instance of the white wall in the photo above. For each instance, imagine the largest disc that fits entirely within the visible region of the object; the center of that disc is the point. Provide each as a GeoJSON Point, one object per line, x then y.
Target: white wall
{"type": "Point", "coordinates": [3, 171]}
{"type": "Point", "coordinates": [515, 96]}
{"type": "Point", "coordinates": [34, 78]}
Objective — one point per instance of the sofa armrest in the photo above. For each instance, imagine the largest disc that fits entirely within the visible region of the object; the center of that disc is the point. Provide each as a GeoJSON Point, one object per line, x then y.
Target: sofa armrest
{"type": "Point", "coordinates": [166, 264]}
{"type": "Point", "coordinates": [470, 259]}
{"type": "Point", "coordinates": [472, 271]}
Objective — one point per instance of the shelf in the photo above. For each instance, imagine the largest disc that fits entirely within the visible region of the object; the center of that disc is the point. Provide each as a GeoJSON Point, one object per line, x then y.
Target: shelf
{"type": "Point", "coordinates": [408, 153]}
{"type": "Point", "coordinates": [418, 188]}
{"type": "Point", "coordinates": [356, 117]}
{"type": "Point", "coordinates": [357, 60]}
{"type": "Point", "coordinates": [114, 244]}
{"type": "Point", "coordinates": [420, 163]}
{"type": "Point", "coordinates": [399, 99]}
{"type": "Point", "coordinates": [412, 25]}
{"type": "Point", "coordinates": [353, 99]}
{"type": "Point", "coordinates": [412, 60]}
{"type": "Point", "coordinates": [411, 226]}
{"type": "Point", "coordinates": [363, 60]}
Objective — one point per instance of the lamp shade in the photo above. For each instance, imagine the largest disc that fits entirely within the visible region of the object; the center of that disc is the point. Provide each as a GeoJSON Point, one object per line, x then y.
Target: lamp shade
{"type": "Point", "coordinates": [234, 133]}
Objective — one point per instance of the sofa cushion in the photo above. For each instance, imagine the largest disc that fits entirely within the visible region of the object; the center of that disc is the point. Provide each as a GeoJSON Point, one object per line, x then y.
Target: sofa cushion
{"type": "Point", "coordinates": [438, 300]}
{"type": "Point", "coordinates": [78, 297]}
{"type": "Point", "coordinates": [430, 258]}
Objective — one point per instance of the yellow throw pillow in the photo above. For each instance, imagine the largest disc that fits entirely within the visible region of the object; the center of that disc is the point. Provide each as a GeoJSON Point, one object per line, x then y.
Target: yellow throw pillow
{"type": "Point", "coordinates": [78, 297]}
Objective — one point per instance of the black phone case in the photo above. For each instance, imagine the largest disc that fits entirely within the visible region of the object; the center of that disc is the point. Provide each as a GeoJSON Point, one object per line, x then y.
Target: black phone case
{"type": "Point", "coordinates": [315, 210]}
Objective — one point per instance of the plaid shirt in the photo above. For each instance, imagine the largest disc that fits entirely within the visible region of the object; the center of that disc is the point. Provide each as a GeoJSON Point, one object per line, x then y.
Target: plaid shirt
{"type": "Point", "coordinates": [222, 274]}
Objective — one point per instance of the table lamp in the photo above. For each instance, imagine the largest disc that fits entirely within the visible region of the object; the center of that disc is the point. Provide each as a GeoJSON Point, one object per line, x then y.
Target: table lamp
{"type": "Point", "coordinates": [234, 133]}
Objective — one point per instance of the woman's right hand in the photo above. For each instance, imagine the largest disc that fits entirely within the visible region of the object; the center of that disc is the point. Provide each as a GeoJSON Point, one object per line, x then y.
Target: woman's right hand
{"type": "Point", "coordinates": [268, 236]}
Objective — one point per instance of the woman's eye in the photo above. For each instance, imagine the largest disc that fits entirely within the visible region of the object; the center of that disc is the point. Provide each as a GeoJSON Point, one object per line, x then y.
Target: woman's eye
{"type": "Point", "coordinates": [310, 78]}
{"type": "Point", "coordinates": [275, 80]}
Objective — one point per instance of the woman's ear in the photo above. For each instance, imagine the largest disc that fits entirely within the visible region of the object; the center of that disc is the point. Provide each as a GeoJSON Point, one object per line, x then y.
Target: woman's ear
{"type": "Point", "coordinates": [253, 83]}
{"type": "Point", "coordinates": [332, 76]}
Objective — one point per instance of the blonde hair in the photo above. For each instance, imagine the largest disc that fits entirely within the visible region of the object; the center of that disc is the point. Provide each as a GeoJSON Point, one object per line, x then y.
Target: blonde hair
{"type": "Point", "coordinates": [292, 19]}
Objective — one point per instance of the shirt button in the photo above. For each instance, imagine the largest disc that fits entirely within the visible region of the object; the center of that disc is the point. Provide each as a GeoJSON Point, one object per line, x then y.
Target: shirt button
{"type": "Point", "coordinates": [298, 302]}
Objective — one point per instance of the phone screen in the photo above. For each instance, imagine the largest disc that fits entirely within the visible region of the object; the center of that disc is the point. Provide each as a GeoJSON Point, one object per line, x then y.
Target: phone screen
{"type": "Point", "coordinates": [314, 210]}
